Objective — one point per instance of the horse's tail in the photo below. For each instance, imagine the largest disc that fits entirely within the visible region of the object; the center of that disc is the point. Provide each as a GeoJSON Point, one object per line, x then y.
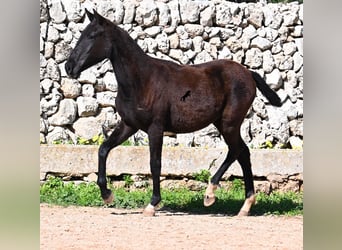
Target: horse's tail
{"type": "Point", "coordinates": [266, 90]}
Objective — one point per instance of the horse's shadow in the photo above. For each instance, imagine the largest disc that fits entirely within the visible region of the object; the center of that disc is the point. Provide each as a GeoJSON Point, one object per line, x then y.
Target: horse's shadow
{"type": "Point", "coordinates": [227, 207]}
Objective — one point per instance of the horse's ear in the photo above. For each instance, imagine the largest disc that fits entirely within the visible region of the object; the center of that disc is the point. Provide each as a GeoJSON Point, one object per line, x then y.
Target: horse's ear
{"type": "Point", "coordinates": [100, 19]}
{"type": "Point", "coordinates": [89, 15]}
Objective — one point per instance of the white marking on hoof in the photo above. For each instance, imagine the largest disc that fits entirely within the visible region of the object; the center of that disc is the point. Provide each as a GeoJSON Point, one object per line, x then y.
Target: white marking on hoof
{"type": "Point", "coordinates": [209, 196]}
{"type": "Point", "coordinates": [109, 200]}
{"type": "Point", "coordinates": [249, 202]}
{"type": "Point", "coordinates": [149, 211]}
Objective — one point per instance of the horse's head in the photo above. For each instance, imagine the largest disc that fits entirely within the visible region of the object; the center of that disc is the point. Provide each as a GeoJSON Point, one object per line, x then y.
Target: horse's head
{"type": "Point", "coordinates": [93, 46]}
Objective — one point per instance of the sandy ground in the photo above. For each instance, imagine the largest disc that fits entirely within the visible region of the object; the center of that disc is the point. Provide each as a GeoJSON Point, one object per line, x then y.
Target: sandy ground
{"type": "Point", "coordinates": [108, 228]}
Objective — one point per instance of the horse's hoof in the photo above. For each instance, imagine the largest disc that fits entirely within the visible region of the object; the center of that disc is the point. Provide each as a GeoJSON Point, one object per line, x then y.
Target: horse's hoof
{"type": "Point", "coordinates": [208, 200]}
{"type": "Point", "coordinates": [243, 213]}
{"type": "Point", "coordinates": [209, 196]}
{"type": "Point", "coordinates": [149, 211]}
{"type": "Point", "coordinates": [109, 200]}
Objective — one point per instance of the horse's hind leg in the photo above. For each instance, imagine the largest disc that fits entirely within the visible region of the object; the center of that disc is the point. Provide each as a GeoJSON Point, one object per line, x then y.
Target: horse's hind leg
{"type": "Point", "coordinates": [233, 139]}
{"type": "Point", "coordinates": [119, 135]}
{"type": "Point", "coordinates": [245, 162]}
{"type": "Point", "coordinates": [237, 150]}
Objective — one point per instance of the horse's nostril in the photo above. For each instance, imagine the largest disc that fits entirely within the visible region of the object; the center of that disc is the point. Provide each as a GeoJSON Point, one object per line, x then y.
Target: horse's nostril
{"type": "Point", "coordinates": [68, 68]}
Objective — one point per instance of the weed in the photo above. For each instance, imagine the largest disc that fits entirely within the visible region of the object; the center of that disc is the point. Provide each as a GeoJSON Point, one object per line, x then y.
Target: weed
{"type": "Point", "coordinates": [128, 180]}
{"type": "Point", "coordinates": [55, 191]}
{"type": "Point", "coordinates": [203, 175]}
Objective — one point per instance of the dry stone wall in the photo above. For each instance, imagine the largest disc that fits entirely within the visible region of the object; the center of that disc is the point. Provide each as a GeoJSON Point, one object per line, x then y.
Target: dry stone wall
{"type": "Point", "coordinates": [267, 38]}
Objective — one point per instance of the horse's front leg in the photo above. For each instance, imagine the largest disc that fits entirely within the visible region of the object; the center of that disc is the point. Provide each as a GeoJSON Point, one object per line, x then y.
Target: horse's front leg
{"type": "Point", "coordinates": [155, 136]}
{"type": "Point", "coordinates": [119, 135]}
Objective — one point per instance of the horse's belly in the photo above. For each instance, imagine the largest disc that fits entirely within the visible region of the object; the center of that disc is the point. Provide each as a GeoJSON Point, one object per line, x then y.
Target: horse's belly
{"type": "Point", "coordinates": [189, 119]}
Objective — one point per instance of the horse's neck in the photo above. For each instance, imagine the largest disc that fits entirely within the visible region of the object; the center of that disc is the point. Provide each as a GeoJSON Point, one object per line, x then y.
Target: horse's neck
{"type": "Point", "coordinates": [129, 63]}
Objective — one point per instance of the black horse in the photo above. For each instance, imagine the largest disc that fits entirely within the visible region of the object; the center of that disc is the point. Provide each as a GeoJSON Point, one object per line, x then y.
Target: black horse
{"type": "Point", "coordinates": [157, 95]}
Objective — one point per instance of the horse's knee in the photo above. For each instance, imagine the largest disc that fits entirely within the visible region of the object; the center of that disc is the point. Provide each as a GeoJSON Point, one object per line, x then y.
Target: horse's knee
{"type": "Point", "coordinates": [103, 151]}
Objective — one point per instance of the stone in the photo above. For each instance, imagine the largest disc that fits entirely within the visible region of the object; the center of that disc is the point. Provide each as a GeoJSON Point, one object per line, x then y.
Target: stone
{"type": "Point", "coordinates": [174, 13]}
{"type": "Point", "coordinates": [88, 90]}
{"type": "Point", "coordinates": [233, 44]}
{"type": "Point", "coordinates": [277, 125]}
{"type": "Point", "coordinates": [174, 41]}
{"type": "Point", "coordinates": [227, 33]}
{"type": "Point", "coordinates": [56, 11]}
{"type": "Point", "coordinates": [256, 17]}
{"type": "Point", "coordinates": [86, 106]}
{"type": "Point", "coordinates": [129, 11]}
{"type": "Point", "coordinates": [194, 29]}
{"type": "Point", "coordinates": [46, 85]}
{"type": "Point", "coordinates": [271, 34]}
{"type": "Point", "coordinates": [49, 104]}
{"type": "Point", "coordinates": [299, 43]}
{"type": "Point", "coordinates": [112, 10]}
{"type": "Point", "coordinates": [296, 142]}
{"type": "Point", "coordinates": [216, 41]}
{"type": "Point", "coordinates": [110, 82]}
{"type": "Point", "coordinates": [207, 15]}
{"type": "Point", "coordinates": [176, 54]}
{"type": "Point", "coordinates": [57, 134]}
{"type": "Point", "coordinates": [298, 31]}
{"type": "Point", "coordinates": [223, 15]}
{"type": "Point", "coordinates": [225, 53]}
{"type": "Point", "coordinates": [70, 88]}
{"type": "Point", "coordinates": [286, 63]}
{"type": "Point", "coordinates": [203, 57]}
{"type": "Point", "coordinates": [106, 98]}
{"type": "Point", "coordinates": [146, 13]}
{"type": "Point", "coordinates": [52, 70]}
{"type": "Point", "coordinates": [73, 9]}
{"type": "Point", "coordinates": [262, 186]}
{"type": "Point", "coordinates": [253, 58]}
{"type": "Point", "coordinates": [194, 185]}
{"type": "Point", "coordinates": [274, 79]}
{"type": "Point", "coordinates": [43, 126]}
{"type": "Point", "coordinates": [91, 177]}
{"type": "Point", "coordinates": [290, 18]}
{"type": "Point", "coordinates": [291, 186]}
{"type": "Point", "coordinates": [87, 127]}
{"type": "Point", "coordinates": [258, 106]}
{"type": "Point", "coordinates": [268, 61]}
{"type": "Point", "coordinates": [182, 34]}
{"type": "Point", "coordinates": [289, 48]}
{"type": "Point", "coordinates": [151, 45]}
{"type": "Point", "coordinates": [249, 32]}
{"type": "Point", "coordinates": [52, 34]}
{"type": "Point", "coordinates": [185, 44]}
{"type": "Point", "coordinates": [296, 127]}
{"type": "Point", "coordinates": [49, 50]}
{"type": "Point", "coordinates": [152, 31]}
{"type": "Point", "coordinates": [66, 113]}
{"type": "Point", "coordinates": [163, 43]}
{"type": "Point", "coordinates": [276, 178]}
{"type": "Point", "coordinates": [172, 184]}
{"type": "Point", "coordinates": [189, 11]}
{"type": "Point", "coordinates": [261, 43]}
{"type": "Point", "coordinates": [297, 61]}
{"type": "Point", "coordinates": [164, 16]}
{"type": "Point", "coordinates": [197, 43]}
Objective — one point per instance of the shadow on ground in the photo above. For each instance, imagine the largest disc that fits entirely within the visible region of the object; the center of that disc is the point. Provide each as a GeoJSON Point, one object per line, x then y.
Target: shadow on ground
{"type": "Point", "coordinates": [231, 207]}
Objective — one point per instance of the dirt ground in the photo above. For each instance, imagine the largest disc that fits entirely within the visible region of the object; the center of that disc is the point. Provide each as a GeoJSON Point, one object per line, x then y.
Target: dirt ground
{"type": "Point", "coordinates": [109, 228]}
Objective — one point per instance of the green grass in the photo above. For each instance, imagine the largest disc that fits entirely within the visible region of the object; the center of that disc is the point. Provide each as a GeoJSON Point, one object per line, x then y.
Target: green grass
{"type": "Point", "coordinates": [55, 191]}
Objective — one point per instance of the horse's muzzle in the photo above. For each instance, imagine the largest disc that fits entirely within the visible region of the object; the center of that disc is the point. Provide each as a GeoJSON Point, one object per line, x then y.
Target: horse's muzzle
{"type": "Point", "coordinates": [70, 70]}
